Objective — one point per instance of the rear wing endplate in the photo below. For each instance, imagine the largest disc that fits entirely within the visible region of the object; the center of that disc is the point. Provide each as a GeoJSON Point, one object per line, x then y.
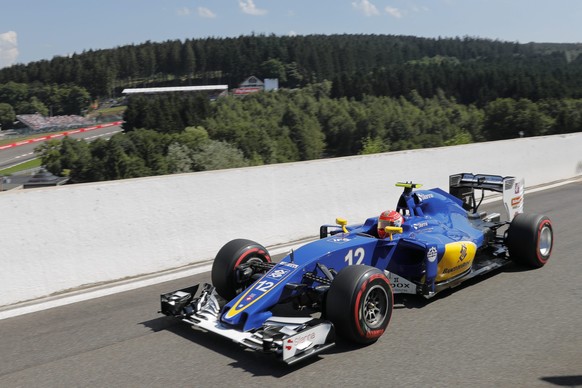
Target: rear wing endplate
{"type": "Point", "coordinates": [463, 186]}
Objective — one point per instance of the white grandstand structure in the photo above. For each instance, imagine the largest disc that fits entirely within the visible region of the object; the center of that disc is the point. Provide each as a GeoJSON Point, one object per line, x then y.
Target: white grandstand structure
{"type": "Point", "coordinates": [174, 89]}
{"type": "Point", "coordinates": [38, 122]}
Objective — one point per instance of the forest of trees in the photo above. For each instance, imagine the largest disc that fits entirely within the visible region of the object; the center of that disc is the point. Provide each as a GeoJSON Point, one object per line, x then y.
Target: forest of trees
{"type": "Point", "coordinates": [340, 95]}
{"type": "Point", "coordinates": [469, 69]}
{"type": "Point", "coordinates": [296, 125]}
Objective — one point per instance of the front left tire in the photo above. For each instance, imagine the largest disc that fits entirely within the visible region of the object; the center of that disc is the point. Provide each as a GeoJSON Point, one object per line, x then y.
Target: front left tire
{"type": "Point", "coordinates": [225, 279]}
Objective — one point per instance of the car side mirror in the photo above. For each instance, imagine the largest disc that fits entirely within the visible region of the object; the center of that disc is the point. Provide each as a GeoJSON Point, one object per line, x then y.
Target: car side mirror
{"type": "Point", "coordinates": [342, 222]}
{"type": "Point", "coordinates": [390, 230]}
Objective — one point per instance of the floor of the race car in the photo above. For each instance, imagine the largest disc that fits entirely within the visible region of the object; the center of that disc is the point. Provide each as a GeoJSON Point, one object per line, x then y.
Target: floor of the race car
{"type": "Point", "coordinates": [288, 310]}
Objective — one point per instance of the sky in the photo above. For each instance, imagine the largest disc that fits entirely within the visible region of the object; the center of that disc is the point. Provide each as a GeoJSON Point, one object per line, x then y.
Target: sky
{"type": "Point", "coordinates": [32, 30]}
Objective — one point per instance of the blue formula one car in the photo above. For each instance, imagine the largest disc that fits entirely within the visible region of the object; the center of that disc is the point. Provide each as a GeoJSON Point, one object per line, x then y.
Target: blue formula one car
{"type": "Point", "coordinates": [347, 279]}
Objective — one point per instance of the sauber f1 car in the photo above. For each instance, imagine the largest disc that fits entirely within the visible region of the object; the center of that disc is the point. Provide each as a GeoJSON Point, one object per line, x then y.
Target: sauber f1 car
{"type": "Point", "coordinates": [348, 277]}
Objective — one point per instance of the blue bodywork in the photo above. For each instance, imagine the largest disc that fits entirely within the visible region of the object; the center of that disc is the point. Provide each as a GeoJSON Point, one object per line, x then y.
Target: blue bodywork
{"type": "Point", "coordinates": [433, 219]}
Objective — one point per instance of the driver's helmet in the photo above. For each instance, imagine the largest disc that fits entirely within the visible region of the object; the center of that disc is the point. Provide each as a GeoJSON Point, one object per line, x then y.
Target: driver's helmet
{"type": "Point", "coordinates": [388, 218]}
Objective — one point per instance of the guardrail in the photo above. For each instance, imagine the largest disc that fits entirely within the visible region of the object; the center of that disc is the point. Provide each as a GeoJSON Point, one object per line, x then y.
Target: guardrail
{"type": "Point", "coordinates": [63, 238]}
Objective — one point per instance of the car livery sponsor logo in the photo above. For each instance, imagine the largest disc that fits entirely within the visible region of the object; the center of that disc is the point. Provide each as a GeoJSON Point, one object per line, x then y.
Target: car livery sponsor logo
{"type": "Point", "coordinates": [458, 257]}
{"type": "Point", "coordinates": [419, 225]}
{"type": "Point", "coordinates": [424, 197]}
{"type": "Point", "coordinates": [290, 265]}
{"type": "Point", "coordinates": [299, 339]}
{"type": "Point", "coordinates": [516, 201]}
{"type": "Point", "coordinates": [277, 273]}
{"type": "Point", "coordinates": [305, 340]}
{"type": "Point", "coordinates": [398, 284]}
{"type": "Point", "coordinates": [463, 253]}
{"type": "Point", "coordinates": [456, 268]}
{"type": "Point", "coordinates": [339, 240]}
{"type": "Point", "coordinates": [431, 255]}
{"type": "Point", "coordinates": [262, 287]}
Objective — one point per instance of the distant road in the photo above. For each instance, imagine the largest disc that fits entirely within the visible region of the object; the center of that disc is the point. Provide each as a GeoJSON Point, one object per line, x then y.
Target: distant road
{"type": "Point", "coordinates": [25, 152]}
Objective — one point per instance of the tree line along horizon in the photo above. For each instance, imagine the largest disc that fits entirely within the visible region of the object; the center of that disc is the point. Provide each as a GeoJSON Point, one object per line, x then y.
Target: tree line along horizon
{"type": "Point", "coordinates": [340, 95]}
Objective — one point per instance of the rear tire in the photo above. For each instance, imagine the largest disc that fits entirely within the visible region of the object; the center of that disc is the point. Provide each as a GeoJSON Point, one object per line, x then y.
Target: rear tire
{"type": "Point", "coordinates": [529, 239]}
{"type": "Point", "coordinates": [359, 303]}
{"type": "Point", "coordinates": [228, 259]}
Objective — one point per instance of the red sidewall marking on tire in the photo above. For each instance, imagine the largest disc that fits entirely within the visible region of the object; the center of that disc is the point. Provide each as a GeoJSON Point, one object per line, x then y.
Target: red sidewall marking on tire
{"type": "Point", "coordinates": [374, 333]}
{"type": "Point", "coordinates": [541, 259]}
{"type": "Point", "coordinates": [250, 251]}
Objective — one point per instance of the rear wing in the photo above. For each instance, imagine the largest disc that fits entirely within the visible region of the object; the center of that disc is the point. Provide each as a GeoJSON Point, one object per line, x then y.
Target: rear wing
{"type": "Point", "coordinates": [463, 186]}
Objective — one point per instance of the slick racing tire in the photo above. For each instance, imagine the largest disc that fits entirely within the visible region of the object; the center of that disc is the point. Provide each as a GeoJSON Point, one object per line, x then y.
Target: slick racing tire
{"type": "Point", "coordinates": [359, 303]}
{"type": "Point", "coordinates": [530, 239]}
{"type": "Point", "coordinates": [228, 259]}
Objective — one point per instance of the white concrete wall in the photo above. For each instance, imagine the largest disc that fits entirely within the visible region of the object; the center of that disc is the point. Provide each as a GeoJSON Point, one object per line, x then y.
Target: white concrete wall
{"type": "Point", "coordinates": [56, 239]}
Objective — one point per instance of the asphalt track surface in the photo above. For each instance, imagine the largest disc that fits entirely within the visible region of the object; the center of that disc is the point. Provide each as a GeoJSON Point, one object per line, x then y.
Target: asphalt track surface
{"type": "Point", "coordinates": [514, 328]}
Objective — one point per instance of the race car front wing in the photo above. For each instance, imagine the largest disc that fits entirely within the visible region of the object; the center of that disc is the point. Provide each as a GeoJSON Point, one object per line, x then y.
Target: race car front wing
{"type": "Point", "coordinates": [290, 338]}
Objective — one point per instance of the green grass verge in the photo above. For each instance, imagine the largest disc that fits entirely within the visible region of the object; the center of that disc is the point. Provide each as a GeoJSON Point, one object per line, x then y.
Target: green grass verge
{"type": "Point", "coordinates": [21, 167]}
{"type": "Point", "coordinates": [116, 110]}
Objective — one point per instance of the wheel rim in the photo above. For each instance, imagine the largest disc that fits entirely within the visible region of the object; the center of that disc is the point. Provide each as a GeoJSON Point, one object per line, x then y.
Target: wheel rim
{"type": "Point", "coordinates": [375, 307]}
{"type": "Point", "coordinates": [545, 241]}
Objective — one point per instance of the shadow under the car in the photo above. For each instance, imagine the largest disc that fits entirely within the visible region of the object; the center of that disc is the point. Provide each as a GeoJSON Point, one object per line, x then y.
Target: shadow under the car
{"type": "Point", "coordinates": [160, 323]}
{"type": "Point", "coordinates": [564, 381]}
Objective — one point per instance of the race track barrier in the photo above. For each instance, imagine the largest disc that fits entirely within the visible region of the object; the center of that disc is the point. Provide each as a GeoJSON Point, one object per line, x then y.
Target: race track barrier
{"type": "Point", "coordinates": [57, 135]}
{"type": "Point", "coordinates": [62, 238]}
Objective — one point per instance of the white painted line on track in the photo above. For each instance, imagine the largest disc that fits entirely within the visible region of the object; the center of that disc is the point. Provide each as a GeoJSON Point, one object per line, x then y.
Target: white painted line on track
{"type": "Point", "coordinates": [117, 287]}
